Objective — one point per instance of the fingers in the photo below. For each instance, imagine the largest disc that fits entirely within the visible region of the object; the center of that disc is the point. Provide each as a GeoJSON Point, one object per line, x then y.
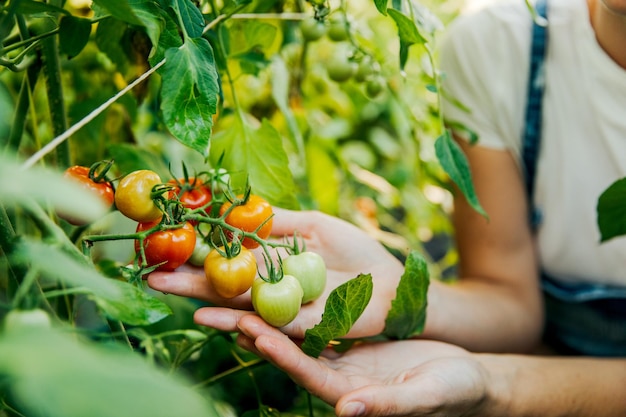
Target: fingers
{"type": "Point", "coordinates": [312, 374]}
{"type": "Point", "coordinates": [219, 318]}
{"type": "Point", "coordinates": [385, 400]}
{"type": "Point", "coordinates": [193, 283]}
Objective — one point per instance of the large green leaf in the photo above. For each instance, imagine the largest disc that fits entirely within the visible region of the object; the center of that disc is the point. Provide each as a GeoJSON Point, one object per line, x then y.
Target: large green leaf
{"type": "Point", "coordinates": [191, 17]}
{"type": "Point", "coordinates": [189, 93]}
{"type": "Point", "coordinates": [55, 374]}
{"type": "Point", "coordinates": [116, 299]}
{"type": "Point", "coordinates": [73, 34]}
{"type": "Point", "coordinates": [120, 9]}
{"type": "Point", "coordinates": [408, 309]}
{"type": "Point", "coordinates": [455, 164]}
{"type": "Point", "coordinates": [611, 211]}
{"type": "Point", "coordinates": [134, 306]}
{"type": "Point", "coordinates": [343, 308]}
{"type": "Point", "coordinates": [55, 264]}
{"type": "Point", "coordinates": [258, 153]}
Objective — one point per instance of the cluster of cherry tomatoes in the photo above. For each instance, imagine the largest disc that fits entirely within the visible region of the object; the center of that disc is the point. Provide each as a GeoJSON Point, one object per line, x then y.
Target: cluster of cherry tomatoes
{"type": "Point", "coordinates": [197, 219]}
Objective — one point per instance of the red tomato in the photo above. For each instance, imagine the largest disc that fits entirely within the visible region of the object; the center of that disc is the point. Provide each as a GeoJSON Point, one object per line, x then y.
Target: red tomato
{"type": "Point", "coordinates": [104, 189]}
{"type": "Point", "coordinates": [192, 193]}
{"type": "Point", "coordinates": [172, 246]}
{"type": "Point", "coordinates": [248, 217]}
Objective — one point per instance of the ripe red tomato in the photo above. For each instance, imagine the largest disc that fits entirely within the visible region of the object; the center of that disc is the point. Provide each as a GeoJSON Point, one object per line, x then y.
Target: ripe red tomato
{"type": "Point", "coordinates": [133, 196]}
{"type": "Point", "coordinates": [172, 246]}
{"type": "Point", "coordinates": [230, 277]}
{"type": "Point", "coordinates": [278, 303]}
{"type": "Point", "coordinates": [192, 193]}
{"type": "Point", "coordinates": [103, 189]}
{"type": "Point", "coordinates": [248, 217]}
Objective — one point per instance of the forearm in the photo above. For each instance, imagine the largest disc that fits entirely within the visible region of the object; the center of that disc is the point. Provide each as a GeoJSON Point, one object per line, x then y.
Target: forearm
{"type": "Point", "coordinates": [483, 316]}
{"type": "Point", "coordinates": [553, 387]}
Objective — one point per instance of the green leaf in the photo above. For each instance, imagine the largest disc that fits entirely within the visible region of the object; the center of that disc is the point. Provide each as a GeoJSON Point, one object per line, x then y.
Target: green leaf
{"type": "Point", "coordinates": [381, 5]}
{"type": "Point", "coordinates": [250, 35]}
{"type": "Point", "coordinates": [19, 186]}
{"type": "Point", "coordinates": [455, 164]}
{"type": "Point", "coordinates": [73, 35]}
{"type": "Point", "coordinates": [190, 16]}
{"type": "Point", "coordinates": [120, 9]}
{"type": "Point", "coordinates": [130, 158]}
{"type": "Point", "coordinates": [257, 153]}
{"type": "Point", "coordinates": [30, 7]}
{"type": "Point", "coordinates": [344, 306]}
{"type": "Point", "coordinates": [134, 306]}
{"type": "Point", "coordinates": [407, 29]}
{"type": "Point", "coordinates": [408, 310]}
{"type": "Point", "coordinates": [70, 377]}
{"type": "Point", "coordinates": [54, 264]}
{"type": "Point", "coordinates": [189, 93]}
{"type": "Point", "coordinates": [611, 211]}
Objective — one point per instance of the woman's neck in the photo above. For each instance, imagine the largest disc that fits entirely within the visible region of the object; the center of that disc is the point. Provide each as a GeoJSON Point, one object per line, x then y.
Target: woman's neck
{"type": "Point", "coordinates": [608, 19]}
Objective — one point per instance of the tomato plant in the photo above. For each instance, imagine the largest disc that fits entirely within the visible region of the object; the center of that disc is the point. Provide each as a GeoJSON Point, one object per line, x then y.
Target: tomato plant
{"type": "Point", "coordinates": [200, 251]}
{"type": "Point", "coordinates": [340, 68]}
{"type": "Point", "coordinates": [230, 276]}
{"type": "Point", "coordinates": [278, 303]}
{"type": "Point", "coordinates": [170, 247]}
{"type": "Point", "coordinates": [338, 29]}
{"type": "Point", "coordinates": [310, 270]}
{"type": "Point", "coordinates": [254, 215]}
{"type": "Point", "coordinates": [100, 187]}
{"type": "Point", "coordinates": [133, 197]}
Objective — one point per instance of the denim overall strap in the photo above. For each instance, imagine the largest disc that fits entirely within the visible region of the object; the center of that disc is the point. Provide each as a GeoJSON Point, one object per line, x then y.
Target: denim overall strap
{"type": "Point", "coordinates": [581, 319]}
{"type": "Point", "coordinates": [536, 81]}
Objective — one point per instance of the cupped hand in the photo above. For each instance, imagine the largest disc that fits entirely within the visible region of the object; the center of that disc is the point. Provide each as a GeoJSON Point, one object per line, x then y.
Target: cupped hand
{"type": "Point", "coordinates": [347, 251]}
{"type": "Point", "coordinates": [398, 378]}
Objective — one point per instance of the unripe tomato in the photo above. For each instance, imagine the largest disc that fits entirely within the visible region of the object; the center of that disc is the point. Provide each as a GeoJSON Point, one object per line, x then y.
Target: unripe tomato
{"type": "Point", "coordinates": [133, 196]}
{"type": "Point", "coordinates": [104, 189]}
{"type": "Point", "coordinates": [340, 68]}
{"type": "Point", "coordinates": [338, 29]}
{"type": "Point", "coordinates": [374, 86]}
{"type": "Point", "coordinates": [248, 217]}
{"type": "Point", "coordinates": [310, 270]}
{"type": "Point", "coordinates": [200, 251]}
{"type": "Point", "coordinates": [312, 29]}
{"type": "Point", "coordinates": [19, 319]}
{"type": "Point", "coordinates": [172, 246]}
{"type": "Point", "coordinates": [230, 277]}
{"type": "Point", "coordinates": [278, 303]}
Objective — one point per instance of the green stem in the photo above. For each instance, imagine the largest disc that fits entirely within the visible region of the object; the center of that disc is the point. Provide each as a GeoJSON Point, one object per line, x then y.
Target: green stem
{"type": "Point", "coordinates": [21, 109]}
{"type": "Point", "coordinates": [117, 328]}
{"type": "Point", "coordinates": [56, 102]}
{"type": "Point", "coordinates": [7, 241]}
{"type": "Point", "coordinates": [242, 367]}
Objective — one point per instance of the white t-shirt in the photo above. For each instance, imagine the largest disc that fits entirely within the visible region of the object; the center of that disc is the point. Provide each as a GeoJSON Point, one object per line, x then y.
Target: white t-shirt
{"type": "Point", "coordinates": [485, 59]}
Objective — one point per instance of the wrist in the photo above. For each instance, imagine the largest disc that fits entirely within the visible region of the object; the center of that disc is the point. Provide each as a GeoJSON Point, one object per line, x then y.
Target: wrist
{"type": "Point", "coordinates": [499, 378]}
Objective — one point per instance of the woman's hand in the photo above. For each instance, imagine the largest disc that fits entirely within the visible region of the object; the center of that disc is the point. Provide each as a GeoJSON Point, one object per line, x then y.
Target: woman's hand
{"type": "Point", "coordinates": [399, 378]}
{"type": "Point", "coordinates": [347, 251]}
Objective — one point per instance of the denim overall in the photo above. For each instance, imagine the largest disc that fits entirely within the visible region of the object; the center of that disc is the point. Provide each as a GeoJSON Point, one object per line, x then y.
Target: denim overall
{"type": "Point", "coordinates": [581, 319]}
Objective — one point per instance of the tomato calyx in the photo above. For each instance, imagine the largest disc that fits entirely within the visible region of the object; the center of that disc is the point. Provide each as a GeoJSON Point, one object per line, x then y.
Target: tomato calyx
{"type": "Point", "coordinates": [99, 170]}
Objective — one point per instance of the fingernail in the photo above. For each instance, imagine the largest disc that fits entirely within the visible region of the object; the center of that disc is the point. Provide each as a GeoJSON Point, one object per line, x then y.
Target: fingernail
{"type": "Point", "coordinates": [352, 409]}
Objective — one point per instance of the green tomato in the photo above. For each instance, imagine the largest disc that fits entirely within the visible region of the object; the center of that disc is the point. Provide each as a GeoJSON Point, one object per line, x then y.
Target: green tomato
{"type": "Point", "coordinates": [278, 303]}
{"type": "Point", "coordinates": [374, 86]}
{"type": "Point", "coordinates": [21, 319]}
{"type": "Point", "coordinates": [200, 251]}
{"type": "Point", "coordinates": [310, 270]}
{"type": "Point", "coordinates": [312, 29]}
{"type": "Point", "coordinates": [340, 68]}
{"type": "Point", "coordinates": [338, 29]}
